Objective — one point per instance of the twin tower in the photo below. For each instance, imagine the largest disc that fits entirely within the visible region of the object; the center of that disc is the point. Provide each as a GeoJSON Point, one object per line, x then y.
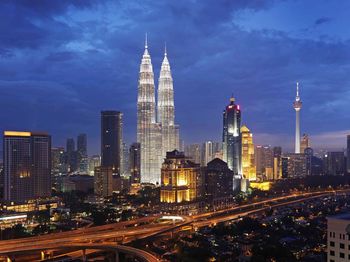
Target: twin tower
{"type": "Point", "coordinates": [157, 132]}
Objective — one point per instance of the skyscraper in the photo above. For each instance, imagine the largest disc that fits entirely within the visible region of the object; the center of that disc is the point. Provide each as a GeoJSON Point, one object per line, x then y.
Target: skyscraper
{"type": "Point", "coordinates": [264, 161]}
{"type": "Point", "coordinates": [111, 139]}
{"type": "Point", "coordinates": [148, 130]}
{"type": "Point", "coordinates": [348, 154]}
{"type": "Point", "coordinates": [82, 157]}
{"type": "Point", "coordinates": [27, 165]}
{"type": "Point", "coordinates": [71, 156]}
{"type": "Point", "coordinates": [248, 156]}
{"type": "Point", "coordinates": [305, 143]}
{"type": "Point", "coordinates": [232, 140]}
{"type": "Point", "coordinates": [135, 162]}
{"type": "Point", "coordinates": [297, 106]}
{"type": "Point", "coordinates": [207, 152]}
{"type": "Point", "coordinates": [166, 109]}
{"type": "Point", "coordinates": [193, 151]}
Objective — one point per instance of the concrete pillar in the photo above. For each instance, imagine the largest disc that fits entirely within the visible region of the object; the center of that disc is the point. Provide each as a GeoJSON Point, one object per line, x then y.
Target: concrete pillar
{"type": "Point", "coordinates": [42, 255]}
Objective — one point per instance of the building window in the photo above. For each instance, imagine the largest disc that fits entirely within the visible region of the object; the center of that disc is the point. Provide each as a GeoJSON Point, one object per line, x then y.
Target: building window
{"type": "Point", "coordinates": [332, 244]}
{"type": "Point", "coordinates": [341, 245]}
{"type": "Point", "coordinates": [341, 255]}
{"type": "Point", "coordinates": [332, 253]}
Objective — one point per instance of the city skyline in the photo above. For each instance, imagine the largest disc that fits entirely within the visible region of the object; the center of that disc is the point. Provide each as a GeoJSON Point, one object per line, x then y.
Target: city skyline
{"type": "Point", "coordinates": [86, 76]}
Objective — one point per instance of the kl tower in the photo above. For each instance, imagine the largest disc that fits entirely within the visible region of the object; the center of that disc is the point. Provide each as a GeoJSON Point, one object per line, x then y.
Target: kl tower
{"type": "Point", "coordinates": [297, 106]}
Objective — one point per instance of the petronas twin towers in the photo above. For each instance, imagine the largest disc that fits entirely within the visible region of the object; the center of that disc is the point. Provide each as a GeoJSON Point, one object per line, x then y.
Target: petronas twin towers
{"type": "Point", "coordinates": [157, 132]}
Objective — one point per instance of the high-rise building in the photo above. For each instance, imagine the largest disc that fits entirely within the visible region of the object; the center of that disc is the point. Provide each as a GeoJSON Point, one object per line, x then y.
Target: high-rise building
{"type": "Point", "coordinates": [334, 163]}
{"type": "Point", "coordinates": [27, 165]}
{"type": "Point", "coordinates": [207, 152]}
{"type": "Point", "coordinates": [111, 139]}
{"type": "Point", "coordinates": [297, 106]}
{"type": "Point", "coordinates": [125, 169]}
{"type": "Point", "coordinates": [338, 238]}
{"type": "Point", "coordinates": [305, 143]}
{"type": "Point", "coordinates": [277, 162]}
{"type": "Point", "coordinates": [166, 109]}
{"type": "Point", "coordinates": [193, 152]}
{"type": "Point", "coordinates": [264, 161]}
{"type": "Point", "coordinates": [248, 156]}
{"type": "Point", "coordinates": [135, 162]}
{"type": "Point", "coordinates": [148, 130]}
{"type": "Point", "coordinates": [296, 165]}
{"type": "Point", "coordinates": [180, 179]}
{"type": "Point", "coordinates": [232, 141]}
{"type": "Point", "coordinates": [82, 156]}
{"type": "Point", "coordinates": [348, 154]}
{"type": "Point", "coordinates": [71, 155]}
{"type": "Point", "coordinates": [218, 180]}
{"type": "Point", "coordinates": [94, 161]}
{"type": "Point", "coordinates": [103, 181]}
{"type": "Point", "coordinates": [58, 165]}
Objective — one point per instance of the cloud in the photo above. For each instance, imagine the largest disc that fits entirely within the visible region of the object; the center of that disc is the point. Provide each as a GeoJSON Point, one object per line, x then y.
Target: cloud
{"type": "Point", "coordinates": [322, 20]}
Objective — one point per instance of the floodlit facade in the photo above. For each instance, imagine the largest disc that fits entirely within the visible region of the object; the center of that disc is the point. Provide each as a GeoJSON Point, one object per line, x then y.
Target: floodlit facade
{"type": "Point", "coordinates": [248, 157]}
{"type": "Point", "coordinates": [180, 179]}
{"type": "Point", "coordinates": [27, 166]}
{"type": "Point", "coordinates": [338, 238]}
{"type": "Point", "coordinates": [305, 143]}
{"type": "Point", "coordinates": [166, 109]}
{"type": "Point", "coordinates": [232, 140]}
{"type": "Point", "coordinates": [297, 106]}
{"type": "Point", "coordinates": [148, 130]}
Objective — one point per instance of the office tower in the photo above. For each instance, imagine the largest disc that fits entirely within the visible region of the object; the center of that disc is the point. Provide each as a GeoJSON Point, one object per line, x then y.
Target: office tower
{"type": "Point", "coordinates": [166, 109]}
{"type": "Point", "coordinates": [277, 162]}
{"type": "Point", "coordinates": [94, 161]}
{"type": "Point", "coordinates": [248, 156]}
{"type": "Point", "coordinates": [264, 161]}
{"type": "Point", "coordinates": [334, 163]}
{"type": "Point", "coordinates": [296, 165]}
{"type": "Point", "coordinates": [232, 143]}
{"type": "Point", "coordinates": [82, 155]}
{"type": "Point", "coordinates": [71, 155]}
{"type": "Point", "coordinates": [58, 165]}
{"type": "Point", "coordinates": [148, 130]}
{"type": "Point", "coordinates": [207, 152]}
{"type": "Point", "coordinates": [135, 162]}
{"type": "Point", "coordinates": [103, 181]}
{"type": "Point", "coordinates": [111, 139]}
{"type": "Point", "coordinates": [338, 238]}
{"type": "Point", "coordinates": [180, 179]}
{"type": "Point", "coordinates": [194, 152]}
{"type": "Point", "coordinates": [305, 143]}
{"type": "Point", "coordinates": [348, 154]}
{"type": "Point", "coordinates": [218, 180]}
{"type": "Point", "coordinates": [27, 166]}
{"type": "Point", "coordinates": [297, 106]}
{"type": "Point", "coordinates": [125, 169]}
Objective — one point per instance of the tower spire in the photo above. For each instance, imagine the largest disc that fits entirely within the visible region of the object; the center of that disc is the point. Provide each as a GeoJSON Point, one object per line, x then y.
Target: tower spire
{"type": "Point", "coordinates": [146, 44]}
{"type": "Point", "coordinates": [165, 52]}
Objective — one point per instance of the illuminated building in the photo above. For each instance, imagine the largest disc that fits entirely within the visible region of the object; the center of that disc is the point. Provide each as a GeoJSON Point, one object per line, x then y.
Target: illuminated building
{"type": "Point", "coordinates": [264, 161]}
{"type": "Point", "coordinates": [338, 240]}
{"type": "Point", "coordinates": [334, 163]}
{"type": "Point", "coordinates": [103, 181]}
{"type": "Point", "coordinates": [58, 165]}
{"type": "Point", "coordinates": [297, 106]}
{"type": "Point", "coordinates": [166, 109]}
{"type": "Point", "coordinates": [232, 143]}
{"type": "Point", "coordinates": [295, 165]}
{"type": "Point", "coordinates": [148, 130]}
{"type": "Point", "coordinates": [125, 169]}
{"type": "Point", "coordinates": [111, 139]}
{"type": "Point", "coordinates": [348, 154]}
{"type": "Point", "coordinates": [94, 161]}
{"type": "Point", "coordinates": [218, 180]}
{"type": "Point", "coordinates": [264, 186]}
{"type": "Point", "coordinates": [71, 156]}
{"type": "Point", "coordinates": [207, 152]}
{"type": "Point", "coordinates": [277, 162]}
{"type": "Point", "coordinates": [305, 143]}
{"type": "Point", "coordinates": [27, 166]}
{"type": "Point", "coordinates": [193, 151]}
{"type": "Point", "coordinates": [180, 179]}
{"type": "Point", "coordinates": [134, 162]}
{"type": "Point", "coordinates": [82, 157]}
{"type": "Point", "coordinates": [248, 156]}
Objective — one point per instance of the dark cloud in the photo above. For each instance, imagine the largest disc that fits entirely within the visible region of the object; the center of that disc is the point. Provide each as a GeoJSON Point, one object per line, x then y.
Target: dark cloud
{"type": "Point", "coordinates": [323, 20]}
{"type": "Point", "coordinates": [62, 62]}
